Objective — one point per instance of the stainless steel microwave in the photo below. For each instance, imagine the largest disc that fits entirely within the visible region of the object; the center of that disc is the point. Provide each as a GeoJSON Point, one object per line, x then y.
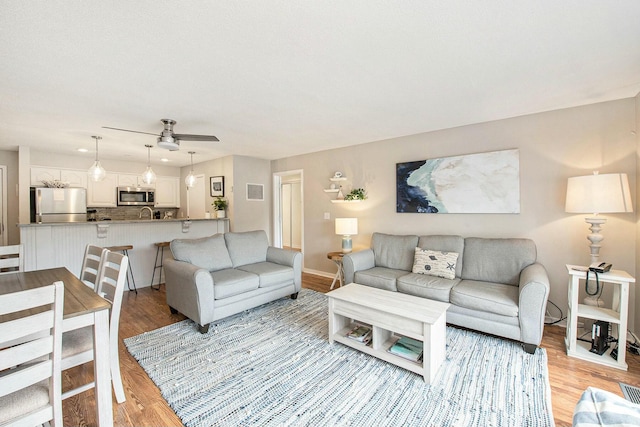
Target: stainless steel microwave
{"type": "Point", "coordinates": [136, 196]}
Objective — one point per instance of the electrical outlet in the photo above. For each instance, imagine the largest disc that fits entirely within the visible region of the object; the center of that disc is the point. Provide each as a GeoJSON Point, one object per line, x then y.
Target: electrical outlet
{"type": "Point", "coordinates": [327, 215]}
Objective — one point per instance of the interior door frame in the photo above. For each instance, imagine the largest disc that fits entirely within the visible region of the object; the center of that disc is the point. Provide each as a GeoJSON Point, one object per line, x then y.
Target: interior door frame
{"type": "Point", "coordinates": [277, 206]}
{"type": "Point", "coordinates": [3, 222]}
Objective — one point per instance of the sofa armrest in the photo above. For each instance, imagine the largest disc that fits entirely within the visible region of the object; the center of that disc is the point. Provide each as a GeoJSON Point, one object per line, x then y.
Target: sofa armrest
{"type": "Point", "coordinates": [189, 289]}
{"type": "Point", "coordinates": [289, 258]}
{"type": "Point", "coordinates": [357, 261]}
{"type": "Point", "coordinates": [534, 292]}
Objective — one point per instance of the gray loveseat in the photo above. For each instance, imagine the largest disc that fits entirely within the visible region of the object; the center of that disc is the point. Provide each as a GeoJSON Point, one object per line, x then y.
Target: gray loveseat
{"type": "Point", "coordinates": [217, 276]}
{"type": "Point", "coordinates": [494, 286]}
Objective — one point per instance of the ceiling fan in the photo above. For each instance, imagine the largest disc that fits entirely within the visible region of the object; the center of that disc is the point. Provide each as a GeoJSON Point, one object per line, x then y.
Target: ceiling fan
{"type": "Point", "coordinates": [169, 140]}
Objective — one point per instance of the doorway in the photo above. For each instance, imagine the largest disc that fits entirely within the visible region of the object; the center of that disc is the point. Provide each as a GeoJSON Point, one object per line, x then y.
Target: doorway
{"type": "Point", "coordinates": [289, 210]}
{"type": "Point", "coordinates": [3, 206]}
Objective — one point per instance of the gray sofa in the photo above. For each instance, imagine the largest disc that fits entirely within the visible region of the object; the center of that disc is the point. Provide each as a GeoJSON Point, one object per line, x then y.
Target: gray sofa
{"type": "Point", "coordinates": [217, 276]}
{"type": "Point", "coordinates": [495, 285]}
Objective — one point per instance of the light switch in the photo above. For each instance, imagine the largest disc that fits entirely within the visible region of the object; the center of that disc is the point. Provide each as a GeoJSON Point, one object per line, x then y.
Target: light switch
{"type": "Point", "coordinates": [327, 215]}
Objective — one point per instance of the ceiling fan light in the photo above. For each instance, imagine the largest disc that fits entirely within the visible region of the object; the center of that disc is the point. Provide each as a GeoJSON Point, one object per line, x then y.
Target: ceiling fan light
{"type": "Point", "coordinates": [96, 172]}
{"type": "Point", "coordinates": [168, 142]}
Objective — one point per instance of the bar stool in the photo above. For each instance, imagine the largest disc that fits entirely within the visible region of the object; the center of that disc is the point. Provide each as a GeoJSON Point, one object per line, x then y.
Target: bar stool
{"type": "Point", "coordinates": [125, 250]}
{"type": "Point", "coordinates": [159, 251]}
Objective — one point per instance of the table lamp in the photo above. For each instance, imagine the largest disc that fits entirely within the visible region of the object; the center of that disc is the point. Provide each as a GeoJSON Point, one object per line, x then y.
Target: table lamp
{"type": "Point", "coordinates": [346, 227]}
{"type": "Point", "coordinates": [596, 194]}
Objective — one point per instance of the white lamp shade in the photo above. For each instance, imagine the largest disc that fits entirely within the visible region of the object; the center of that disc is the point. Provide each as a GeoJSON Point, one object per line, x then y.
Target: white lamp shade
{"type": "Point", "coordinates": [347, 226]}
{"type": "Point", "coordinates": [608, 193]}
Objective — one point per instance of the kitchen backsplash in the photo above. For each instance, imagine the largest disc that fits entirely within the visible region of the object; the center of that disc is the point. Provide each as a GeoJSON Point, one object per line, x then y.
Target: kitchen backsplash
{"type": "Point", "coordinates": [128, 213]}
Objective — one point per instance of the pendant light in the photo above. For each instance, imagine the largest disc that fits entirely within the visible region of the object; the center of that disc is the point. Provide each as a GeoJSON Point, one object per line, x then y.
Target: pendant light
{"type": "Point", "coordinates": [96, 171]}
{"type": "Point", "coordinates": [149, 176]}
{"type": "Point", "coordinates": [190, 180]}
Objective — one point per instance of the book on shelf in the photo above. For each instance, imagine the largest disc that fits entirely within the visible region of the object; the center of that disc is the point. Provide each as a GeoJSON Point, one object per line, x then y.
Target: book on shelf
{"type": "Point", "coordinates": [360, 333]}
{"type": "Point", "coordinates": [408, 348]}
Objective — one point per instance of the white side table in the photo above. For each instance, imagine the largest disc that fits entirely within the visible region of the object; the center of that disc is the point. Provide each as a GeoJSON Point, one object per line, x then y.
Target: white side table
{"type": "Point", "coordinates": [617, 314]}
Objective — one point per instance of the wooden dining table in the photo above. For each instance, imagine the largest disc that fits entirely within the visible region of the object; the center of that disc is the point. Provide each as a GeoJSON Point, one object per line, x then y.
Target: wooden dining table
{"type": "Point", "coordinates": [82, 307]}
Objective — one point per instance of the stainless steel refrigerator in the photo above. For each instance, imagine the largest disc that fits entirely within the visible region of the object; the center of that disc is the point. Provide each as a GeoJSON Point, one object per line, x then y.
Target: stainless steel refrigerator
{"type": "Point", "coordinates": [58, 205]}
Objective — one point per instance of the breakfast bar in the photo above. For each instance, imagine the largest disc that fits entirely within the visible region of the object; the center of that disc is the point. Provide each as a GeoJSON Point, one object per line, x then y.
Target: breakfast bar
{"type": "Point", "coordinates": [62, 244]}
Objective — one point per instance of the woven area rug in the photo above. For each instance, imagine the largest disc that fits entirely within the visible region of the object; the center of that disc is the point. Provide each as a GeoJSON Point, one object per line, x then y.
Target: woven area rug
{"type": "Point", "coordinates": [273, 366]}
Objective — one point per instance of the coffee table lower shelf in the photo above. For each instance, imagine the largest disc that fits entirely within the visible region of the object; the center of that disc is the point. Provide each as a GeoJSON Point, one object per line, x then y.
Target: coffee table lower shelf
{"type": "Point", "coordinates": [380, 351]}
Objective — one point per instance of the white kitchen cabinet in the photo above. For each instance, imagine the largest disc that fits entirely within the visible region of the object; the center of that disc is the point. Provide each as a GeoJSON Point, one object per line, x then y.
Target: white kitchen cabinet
{"type": "Point", "coordinates": [39, 174]}
{"type": "Point", "coordinates": [75, 178]}
{"type": "Point", "coordinates": [103, 193]}
{"type": "Point", "coordinates": [167, 192]}
{"type": "Point", "coordinates": [132, 180]}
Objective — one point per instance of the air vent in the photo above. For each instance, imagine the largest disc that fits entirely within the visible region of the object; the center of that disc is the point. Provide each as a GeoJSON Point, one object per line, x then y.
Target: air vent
{"type": "Point", "coordinates": [631, 393]}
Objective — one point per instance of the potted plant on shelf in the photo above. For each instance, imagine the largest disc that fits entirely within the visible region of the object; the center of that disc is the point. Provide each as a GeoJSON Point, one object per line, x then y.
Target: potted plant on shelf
{"type": "Point", "coordinates": [220, 205]}
{"type": "Point", "coordinates": [356, 194]}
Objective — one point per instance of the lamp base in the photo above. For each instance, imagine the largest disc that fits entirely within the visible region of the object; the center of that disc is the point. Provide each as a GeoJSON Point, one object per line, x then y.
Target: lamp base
{"type": "Point", "coordinates": [595, 237]}
{"type": "Point", "coordinates": [347, 245]}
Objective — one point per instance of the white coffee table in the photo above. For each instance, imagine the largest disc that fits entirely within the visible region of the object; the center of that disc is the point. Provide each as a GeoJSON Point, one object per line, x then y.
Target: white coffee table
{"type": "Point", "coordinates": [390, 314]}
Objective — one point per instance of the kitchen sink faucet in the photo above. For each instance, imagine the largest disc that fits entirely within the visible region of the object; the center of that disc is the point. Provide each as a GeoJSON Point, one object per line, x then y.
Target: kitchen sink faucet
{"type": "Point", "coordinates": [150, 212]}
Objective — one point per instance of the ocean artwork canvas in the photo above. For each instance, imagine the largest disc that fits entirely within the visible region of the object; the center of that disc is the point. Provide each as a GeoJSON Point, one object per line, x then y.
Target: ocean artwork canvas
{"type": "Point", "coordinates": [471, 183]}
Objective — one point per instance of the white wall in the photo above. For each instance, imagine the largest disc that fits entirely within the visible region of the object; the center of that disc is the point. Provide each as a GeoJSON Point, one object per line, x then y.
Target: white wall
{"type": "Point", "coordinates": [251, 215]}
{"type": "Point", "coordinates": [553, 146]}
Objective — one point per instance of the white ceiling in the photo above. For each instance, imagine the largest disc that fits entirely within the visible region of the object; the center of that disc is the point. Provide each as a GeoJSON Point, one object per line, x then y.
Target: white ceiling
{"type": "Point", "coordinates": [277, 78]}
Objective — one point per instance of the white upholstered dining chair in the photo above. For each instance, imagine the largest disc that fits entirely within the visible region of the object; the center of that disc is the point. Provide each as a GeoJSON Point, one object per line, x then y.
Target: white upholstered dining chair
{"type": "Point", "coordinates": [91, 263]}
{"type": "Point", "coordinates": [77, 345]}
{"type": "Point", "coordinates": [30, 348]}
{"type": "Point", "coordinates": [11, 259]}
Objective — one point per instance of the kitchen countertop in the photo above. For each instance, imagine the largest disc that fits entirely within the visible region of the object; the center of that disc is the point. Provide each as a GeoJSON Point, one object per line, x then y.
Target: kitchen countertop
{"type": "Point", "coordinates": [126, 221]}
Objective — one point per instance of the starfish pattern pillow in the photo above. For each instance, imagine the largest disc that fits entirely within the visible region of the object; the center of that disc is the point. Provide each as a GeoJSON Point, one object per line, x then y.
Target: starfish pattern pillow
{"type": "Point", "coordinates": [435, 263]}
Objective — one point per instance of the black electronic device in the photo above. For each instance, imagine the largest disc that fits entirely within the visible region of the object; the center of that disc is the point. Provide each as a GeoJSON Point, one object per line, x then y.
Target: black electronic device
{"type": "Point", "coordinates": [599, 337]}
{"type": "Point", "coordinates": [600, 267]}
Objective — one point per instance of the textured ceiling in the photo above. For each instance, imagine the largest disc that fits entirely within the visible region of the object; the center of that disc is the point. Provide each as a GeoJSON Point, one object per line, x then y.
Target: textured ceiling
{"type": "Point", "coordinates": [277, 78]}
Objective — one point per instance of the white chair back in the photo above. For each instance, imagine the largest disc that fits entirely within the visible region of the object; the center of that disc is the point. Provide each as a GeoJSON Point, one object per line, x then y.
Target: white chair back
{"type": "Point", "coordinates": [91, 263]}
{"type": "Point", "coordinates": [78, 344]}
{"type": "Point", "coordinates": [11, 259]}
{"type": "Point", "coordinates": [30, 348]}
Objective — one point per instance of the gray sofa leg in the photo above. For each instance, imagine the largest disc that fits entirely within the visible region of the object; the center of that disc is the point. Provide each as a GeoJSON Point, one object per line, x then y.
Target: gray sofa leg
{"type": "Point", "coordinates": [173, 310]}
{"type": "Point", "coordinates": [294, 296]}
{"type": "Point", "coordinates": [530, 348]}
{"type": "Point", "coordinates": [203, 329]}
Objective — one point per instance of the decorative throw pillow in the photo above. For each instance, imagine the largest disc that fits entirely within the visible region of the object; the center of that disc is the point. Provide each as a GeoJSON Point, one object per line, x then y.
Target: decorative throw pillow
{"type": "Point", "coordinates": [435, 263]}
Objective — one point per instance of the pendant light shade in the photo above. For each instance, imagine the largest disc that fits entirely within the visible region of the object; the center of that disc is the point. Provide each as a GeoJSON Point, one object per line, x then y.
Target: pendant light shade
{"type": "Point", "coordinates": [96, 171]}
{"type": "Point", "coordinates": [149, 176]}
{"type": "Point", "coordinates": [190, 180]}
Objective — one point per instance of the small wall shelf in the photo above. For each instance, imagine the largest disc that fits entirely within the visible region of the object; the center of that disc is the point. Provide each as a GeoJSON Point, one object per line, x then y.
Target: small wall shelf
{"type": "Point", "coordinates": [345, 201]}
{"type": "Point", "coordinates": [331, 190]}
{"type": "Point", "coordinates": [337, 179]}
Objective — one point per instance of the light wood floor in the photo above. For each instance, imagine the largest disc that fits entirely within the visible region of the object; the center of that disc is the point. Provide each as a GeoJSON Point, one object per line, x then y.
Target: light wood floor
{"type": "Point", "coordinates": [145, 406]}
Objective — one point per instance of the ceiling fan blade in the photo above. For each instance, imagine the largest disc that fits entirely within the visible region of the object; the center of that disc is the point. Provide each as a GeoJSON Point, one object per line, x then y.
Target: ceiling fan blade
{"type": "Point", "coordinates": [127, 130]}
{"type": "Point", "coordinates": [186, 137]}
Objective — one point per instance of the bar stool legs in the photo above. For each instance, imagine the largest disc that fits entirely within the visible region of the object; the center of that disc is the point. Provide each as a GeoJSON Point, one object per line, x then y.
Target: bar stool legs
{"type": "Point", "coordinates": [124, 249]}
{"type": "Point", "coordinates": [159, 251]}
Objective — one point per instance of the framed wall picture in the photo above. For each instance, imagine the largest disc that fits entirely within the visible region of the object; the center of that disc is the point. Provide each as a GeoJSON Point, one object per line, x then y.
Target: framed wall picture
{"type": "Point", "coordinates": [217, 186]}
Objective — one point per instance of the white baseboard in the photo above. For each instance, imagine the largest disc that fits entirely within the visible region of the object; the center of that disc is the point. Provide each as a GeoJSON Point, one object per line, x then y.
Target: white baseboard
{"type": "Point", "coordinates": [319, 273]}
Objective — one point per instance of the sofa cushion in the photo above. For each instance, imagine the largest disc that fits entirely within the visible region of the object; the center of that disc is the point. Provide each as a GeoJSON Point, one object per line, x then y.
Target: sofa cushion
{"type": "Point", "coordinates": [497, 260]}
{"type": "Point", "coordinates": [392, 251]}
{"type": "Point", "coordinates": [447, 244]}
{"type": "Point", "coordinates": [495, 298]}
{"type": "Point", "coordinates": [435, 263]}
{"type": "Point", "coordinates": [230, 282]}
{"type": "Point", "coordinates": [269, 273]}
{"type": "Point", "coordinates": [425, 286]}
{"type": "Point", "coordinates": [248, 247]}
{"type": "Point", "coordinates": [209, 253]}
{"type": "Point", "coordinates": [379, 277]}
